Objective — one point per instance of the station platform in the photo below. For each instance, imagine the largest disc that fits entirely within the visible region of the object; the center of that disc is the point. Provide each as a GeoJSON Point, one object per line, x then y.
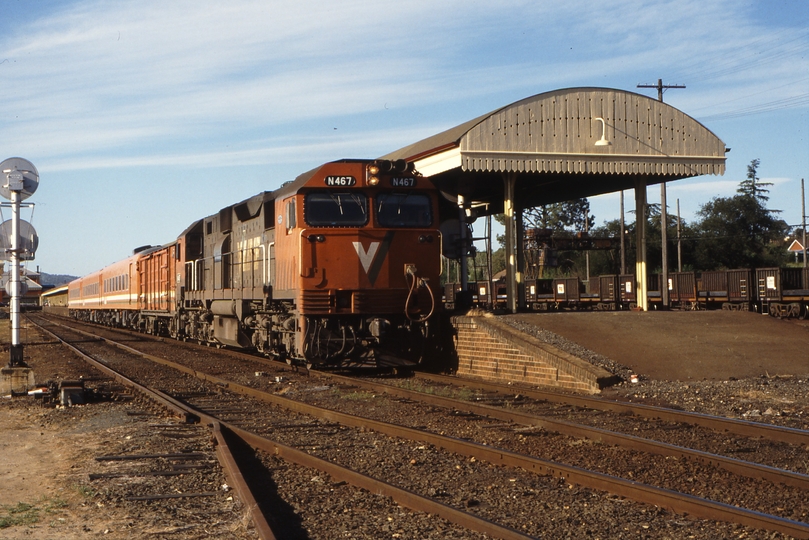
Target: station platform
{"type": "Point", "coordinates": [687, 345]}
{"type": "Point", "coordinates": [489, 348]}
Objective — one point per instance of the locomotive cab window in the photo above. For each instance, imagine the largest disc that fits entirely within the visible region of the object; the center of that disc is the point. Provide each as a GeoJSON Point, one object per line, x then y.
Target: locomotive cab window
{"type": "Point", "coordinates": [290, 215]}
{"type": "Point", "coordinates": [335, 209]}
{"type": "Point", "coordinates": [404, 210]}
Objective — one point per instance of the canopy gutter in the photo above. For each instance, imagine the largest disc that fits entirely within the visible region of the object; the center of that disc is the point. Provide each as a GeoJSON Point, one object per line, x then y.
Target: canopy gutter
{"type": "Point", "coordinates": [586, 163]}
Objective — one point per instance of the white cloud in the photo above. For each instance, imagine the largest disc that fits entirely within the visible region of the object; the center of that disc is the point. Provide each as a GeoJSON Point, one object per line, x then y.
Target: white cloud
{"type": "Point", "coordinates": [121, 74]}
{"type": "Point", "coordinates": [115, 86]}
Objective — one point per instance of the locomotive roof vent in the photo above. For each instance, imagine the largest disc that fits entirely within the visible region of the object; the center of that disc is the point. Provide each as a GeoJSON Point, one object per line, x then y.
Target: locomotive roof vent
{"type": "Point", "coordinates": [141, 249]}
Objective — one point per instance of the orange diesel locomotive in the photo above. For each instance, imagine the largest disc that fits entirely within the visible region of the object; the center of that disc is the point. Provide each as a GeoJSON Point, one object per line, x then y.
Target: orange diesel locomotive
{"type": "Point", "coordinates": [339, 267]}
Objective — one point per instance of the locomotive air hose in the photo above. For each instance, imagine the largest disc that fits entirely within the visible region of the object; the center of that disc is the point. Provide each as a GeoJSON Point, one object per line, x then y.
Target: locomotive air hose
{"type": "Point", "coordinates": [413, 282]}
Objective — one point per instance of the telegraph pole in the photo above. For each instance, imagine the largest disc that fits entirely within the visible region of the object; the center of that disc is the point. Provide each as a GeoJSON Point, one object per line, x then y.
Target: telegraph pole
{"type": "Point", "coordinates": [661, 87]}
{"type": "Point", "coordinates": [679, 243]}
{"type": "Point", "coordinates": [664, 281]}
{"type": "Point", "coordinates": [803, 215]}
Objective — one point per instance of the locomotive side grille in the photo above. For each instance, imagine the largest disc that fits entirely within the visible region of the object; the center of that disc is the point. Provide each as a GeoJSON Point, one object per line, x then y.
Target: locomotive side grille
{"type": "Point", "coordinates": [317, 302]}
{"type": "Point", "coordinates": [314, 302]}
{"type": "Point", "coordinates": [380, 301]}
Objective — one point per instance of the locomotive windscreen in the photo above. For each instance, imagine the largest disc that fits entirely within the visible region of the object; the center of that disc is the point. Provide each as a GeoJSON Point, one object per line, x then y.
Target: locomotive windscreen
{"type": "Point", "coordinates": [404, 210]}
{"type": "Point", "coordinates": [331, 209]}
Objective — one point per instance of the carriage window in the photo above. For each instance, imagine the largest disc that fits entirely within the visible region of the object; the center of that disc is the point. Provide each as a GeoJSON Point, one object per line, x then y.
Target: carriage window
{"type": "Point", "coordinates": [404, 210]}
{"type": "Point", "coordinates": [336, 209]}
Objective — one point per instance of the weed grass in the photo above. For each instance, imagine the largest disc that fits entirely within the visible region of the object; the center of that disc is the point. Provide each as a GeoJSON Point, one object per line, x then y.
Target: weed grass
{"type": "Point", "coordinates": [463, 394]}
{"type": "Point", "coordinates": [28, 514]}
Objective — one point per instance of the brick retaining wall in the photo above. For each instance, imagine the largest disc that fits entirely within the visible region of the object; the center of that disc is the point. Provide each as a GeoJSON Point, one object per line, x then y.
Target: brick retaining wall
{"type": "Point", "coordinates": [491, 349]}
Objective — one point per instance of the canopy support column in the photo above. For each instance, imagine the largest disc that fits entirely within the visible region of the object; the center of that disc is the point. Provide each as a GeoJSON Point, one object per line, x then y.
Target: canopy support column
{"type": "Point", "coordinates": [464, 241]}
{"type": "Point", "coordinates": [512, 278]}
{"type": "Point", "coordinates": [520, 226]}
{"type": "Point", "coordinates": [664, 239]}
{"type": "Point", "coordinates": [641, 286]}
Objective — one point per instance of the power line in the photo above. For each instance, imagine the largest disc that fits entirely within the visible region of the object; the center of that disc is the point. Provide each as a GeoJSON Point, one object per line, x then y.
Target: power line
{"type": "Point", "coordinates": [786, 103]}
{"type": "Point", "coordinates": [768, 90]}
{"type": "Point", "coordinates": [737, 57]}
{"type": "Point", "coordinates": [741, 58]}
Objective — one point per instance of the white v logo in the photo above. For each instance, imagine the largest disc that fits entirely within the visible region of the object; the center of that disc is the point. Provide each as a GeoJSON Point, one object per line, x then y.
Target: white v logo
{"type": "Point", "coordinates": [366, 257]}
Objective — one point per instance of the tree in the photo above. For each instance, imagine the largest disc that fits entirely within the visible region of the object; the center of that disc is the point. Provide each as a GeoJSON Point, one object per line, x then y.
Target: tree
{"type": "Point", "coordinates": [561, 216]}
{"type": "Point", "coordinates": [739, 232]}
{"type": "Point", "coordinates": [752, 186]}
{"type": "Point", "coordinates": [557, 216]}
{"type": "Point", "coordinates": [609, 261]}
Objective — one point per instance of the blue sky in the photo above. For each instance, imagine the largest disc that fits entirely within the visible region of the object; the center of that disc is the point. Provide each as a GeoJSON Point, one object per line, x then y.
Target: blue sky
{"type": "Point", "coordinates": [143, 116]}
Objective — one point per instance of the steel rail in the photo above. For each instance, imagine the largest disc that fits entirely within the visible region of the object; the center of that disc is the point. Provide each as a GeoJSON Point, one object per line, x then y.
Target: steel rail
{"type": "Point", "coordinates": [674, 501]}
{"type": "Point", "coordinates": [736, 466]}
{"type": "Point", "coordinates": [223, 453]}
{"type": "Point", "coordinates": [239, 482]}
{"type": "Point", "coordinates": [403, 497]}
{"type": "Point", "coordinates": [677, 502]}
{"type": "Point", "coordinates": [731, 425]}
{"type": "Point", "coordinates": [172, 405]}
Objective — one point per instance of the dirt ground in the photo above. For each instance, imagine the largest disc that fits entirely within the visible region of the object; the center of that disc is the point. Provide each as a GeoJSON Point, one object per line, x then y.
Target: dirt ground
{"type": "Point", "coordinates": [43, 493]}
{"type": "Point", "coordinates": [47, 455]}
{"type": "Point", "coordinates": [693, 345]}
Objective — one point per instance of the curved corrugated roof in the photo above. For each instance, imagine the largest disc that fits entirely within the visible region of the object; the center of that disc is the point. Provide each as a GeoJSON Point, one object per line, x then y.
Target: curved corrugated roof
{"type": "Point", "coordinates": [555, 133]}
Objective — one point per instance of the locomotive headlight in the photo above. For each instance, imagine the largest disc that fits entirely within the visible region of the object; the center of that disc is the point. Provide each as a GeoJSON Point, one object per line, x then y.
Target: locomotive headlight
{"type": "Point", "coordinates": [373, 174]}
{"type": "Point", "coordinates": [426, 238]}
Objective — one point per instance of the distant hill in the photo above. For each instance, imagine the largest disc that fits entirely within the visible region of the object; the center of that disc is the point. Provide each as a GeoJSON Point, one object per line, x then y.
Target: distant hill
{"type": "Point", "coordinates": [55, 279]}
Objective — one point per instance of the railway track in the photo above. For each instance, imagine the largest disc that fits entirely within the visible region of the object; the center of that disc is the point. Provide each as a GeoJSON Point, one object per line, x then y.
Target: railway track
{"type": "Point", "coordinates": [502, 436]}
{"type": "Point", "coordinates": [226, 405]}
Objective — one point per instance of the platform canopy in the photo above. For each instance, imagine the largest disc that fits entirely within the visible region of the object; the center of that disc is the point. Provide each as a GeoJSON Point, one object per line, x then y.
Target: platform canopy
{"type": "Point", "coordinates": [567, 144]}
{"type": "Point", "coordinates": [563, 145]}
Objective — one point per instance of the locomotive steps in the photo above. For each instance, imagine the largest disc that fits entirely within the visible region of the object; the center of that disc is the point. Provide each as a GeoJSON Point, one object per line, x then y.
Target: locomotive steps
{"type": "Point", "coordinates": [491, 349]}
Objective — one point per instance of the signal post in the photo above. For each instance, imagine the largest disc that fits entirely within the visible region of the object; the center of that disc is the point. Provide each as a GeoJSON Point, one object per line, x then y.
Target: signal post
{"type": "Point", "coordinates": [18, 241]}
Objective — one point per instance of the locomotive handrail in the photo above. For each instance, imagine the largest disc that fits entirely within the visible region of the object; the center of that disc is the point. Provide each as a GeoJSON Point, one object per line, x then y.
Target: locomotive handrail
{"type": "Point", "coordinates": [270, 268]}
{"type": "Point", "coordinates": [263, 264]}
{"type": "Point", "coordinates": [193, 265]}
